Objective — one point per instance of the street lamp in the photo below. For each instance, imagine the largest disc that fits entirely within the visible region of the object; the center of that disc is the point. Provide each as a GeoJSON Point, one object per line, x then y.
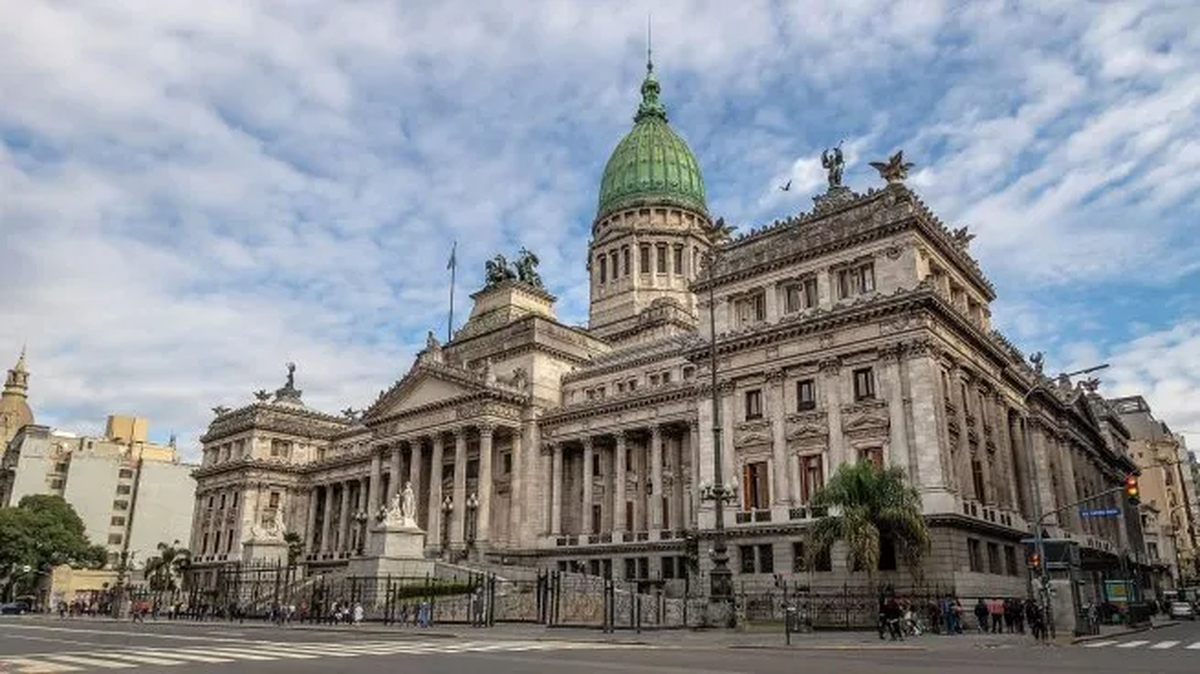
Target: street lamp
{"type": "Point", "coordinates": [472, 508]}
{"type": "Point", "coordinates": [1038, 542]}
{"type": "Point", "coordinates": [447, 511]}
{"type": "Point", "coordinates": [721, 577]}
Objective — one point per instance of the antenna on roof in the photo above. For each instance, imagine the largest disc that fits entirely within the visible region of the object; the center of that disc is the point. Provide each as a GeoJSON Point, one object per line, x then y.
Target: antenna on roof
{"type": "Point", "coordinates": [649, 45]}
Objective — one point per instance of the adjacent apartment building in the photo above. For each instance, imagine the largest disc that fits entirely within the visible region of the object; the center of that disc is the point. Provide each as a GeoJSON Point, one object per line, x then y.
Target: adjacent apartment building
{"type": "Point", "coordinates": [130, 492]}
{"type": "Point", "coordinates": [1167, 486]}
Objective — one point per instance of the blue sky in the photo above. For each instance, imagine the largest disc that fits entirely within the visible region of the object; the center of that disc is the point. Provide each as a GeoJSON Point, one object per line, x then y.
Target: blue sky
{"type": "Point", "coordinates": [194, 195]}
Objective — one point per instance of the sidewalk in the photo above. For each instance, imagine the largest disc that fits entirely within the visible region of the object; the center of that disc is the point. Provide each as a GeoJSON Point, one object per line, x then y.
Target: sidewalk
{"type": "Point", "coordinates": [752, 637]}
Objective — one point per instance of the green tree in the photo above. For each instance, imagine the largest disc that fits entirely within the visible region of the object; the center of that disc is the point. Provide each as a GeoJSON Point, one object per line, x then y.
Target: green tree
{"type": "Point", "coordinates": [295, 547]}
{"type": "Point", "coordinates": [866, 507]}
{"type": "Point", "coordinates": [42, 532]}
{"type": "Point", "coordinates": [165, 570]}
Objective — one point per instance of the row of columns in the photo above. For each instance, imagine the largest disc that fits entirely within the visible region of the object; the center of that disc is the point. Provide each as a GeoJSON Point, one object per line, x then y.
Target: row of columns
{"type": "Point", "coordinates": [647, 505]}
{"type": "Point", "coordinates": [332, 505]}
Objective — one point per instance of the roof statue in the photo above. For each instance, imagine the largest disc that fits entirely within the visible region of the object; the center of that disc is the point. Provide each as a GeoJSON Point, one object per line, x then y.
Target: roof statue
{"type": "Point", "coordinates": [962, 236]}
{"type": "Point", "coordinates": [895, 169]}
{"type": "Point", "coordinates": [498, 269]}
{"type": "Point", "coordinates": [220, 409]}
{"type": "Point", "coordinates": [289, 392]}
{"type": "Point", "coordinates": [291, 378]}
{"type": "Point", "coordinates": [834, 162]}
{"type": "Point", "coordinates": [1038, 359]}
{"type": "Point", "coordinates": [1091, 384]}
{"type": "Point", "coordinates": [351, 414]}
{"type": "Point", "coordinates": [262, 395]}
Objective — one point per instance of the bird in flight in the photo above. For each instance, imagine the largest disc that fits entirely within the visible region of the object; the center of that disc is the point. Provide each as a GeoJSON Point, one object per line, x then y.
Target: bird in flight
{"type": "Point", "coordinates": [786, 187]}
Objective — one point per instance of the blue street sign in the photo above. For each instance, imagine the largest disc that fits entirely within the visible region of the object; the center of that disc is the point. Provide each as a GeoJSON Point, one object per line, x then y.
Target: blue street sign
{"type": "Point", "coordinates": [1103, 512]}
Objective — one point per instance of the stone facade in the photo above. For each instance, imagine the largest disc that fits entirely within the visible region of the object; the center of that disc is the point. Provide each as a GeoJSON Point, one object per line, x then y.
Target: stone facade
{"type": "Point", "coordinates": [860, 331]}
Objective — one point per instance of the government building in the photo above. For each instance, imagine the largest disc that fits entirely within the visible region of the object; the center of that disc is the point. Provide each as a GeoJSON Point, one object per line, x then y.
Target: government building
{"type": "Point", "coordinates": [860, 330]}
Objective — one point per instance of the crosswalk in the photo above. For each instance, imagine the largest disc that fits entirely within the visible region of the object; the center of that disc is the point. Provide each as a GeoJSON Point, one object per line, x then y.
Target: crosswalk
{"type": "Point", "coordinates": [1148, 644]}
{"type": "Point", "coordinates": [262, 651]}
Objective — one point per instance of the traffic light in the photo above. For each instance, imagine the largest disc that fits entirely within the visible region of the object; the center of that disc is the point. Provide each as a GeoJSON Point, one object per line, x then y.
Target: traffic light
{"type": "Point", "coordinates": [1035, 560]}
{"type": "Point", "coordinates": [1131, 490]}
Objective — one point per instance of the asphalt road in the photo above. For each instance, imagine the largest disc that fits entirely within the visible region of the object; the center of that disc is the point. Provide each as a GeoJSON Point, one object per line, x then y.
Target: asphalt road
{"type": "Point", "coordinates": [37, 646]}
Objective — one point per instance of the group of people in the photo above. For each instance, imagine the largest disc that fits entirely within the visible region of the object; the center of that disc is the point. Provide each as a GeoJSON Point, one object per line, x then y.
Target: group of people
{"type": "Point", "coordinates": [899, 618]}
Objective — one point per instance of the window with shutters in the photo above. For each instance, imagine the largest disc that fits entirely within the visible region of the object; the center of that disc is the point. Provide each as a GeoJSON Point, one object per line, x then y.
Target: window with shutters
{"type": "Point", "coordinates": [806, 395]}
{"type": "Point", "coordinates": [751, 309]}
{"type": "Point", "coordinates": [864, 384]}
{"type": "Point", "coordinates": [754, 409]}
{"type": "Point", "coordinates": [677, 261]}
{"type": "Point", "coordinates": [661, 258]}
{"type": "Point", "coordinates": [800, 295]}
{"type": "Point", "coordinates": [811, 476]}
{"type": "Point", "coordinates": [756, 494]}
{"type": "Point", "coordinates": [644, 259]}
{"type": "Point", "coordinates": [856, 280]}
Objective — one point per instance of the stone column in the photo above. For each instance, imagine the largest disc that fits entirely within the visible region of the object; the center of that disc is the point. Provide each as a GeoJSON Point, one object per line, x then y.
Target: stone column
{"type": "Point", "coordinates": [460, 487]}
{"type": "Point", "coordinates": [395, 484]}
{"type": "Point", "coordinates": [639, 496]}
{"type": "Point", "coordinates": [619, 478]}
{"type": "Point", "coordinates": [414, 473]}
{"type": "Point", "coordinates": [344, 519]}
{"type": "Point", "coordinates": [376, 478]}
{"type": "Point", "coordinates": [831, 390]}
{"type": "Point", "coordinates": [679, 496]}
{"type": "Point", "coordinates": [556, 488]}
{"type": "Point", "coordinates": [586, 505]}
{"type": "Point", "coordinates": [516, 494]}
{"type": "Point", "coordinates": [694, 453]}
{"type": "Point", "coordinates": [776, 411]}
{"type": "Point", "coordinates": [327, 522]}
{"type": "Point", "coordinates": [893, 391]}
{"type": "Point", "coordinates": [484, 525]}
{"type": "Point", "coordinates": [656, 479]}
{"type": "Point", "coordinates": [310, 522]}
{"type": "Point", "coordinates": [434, 535]}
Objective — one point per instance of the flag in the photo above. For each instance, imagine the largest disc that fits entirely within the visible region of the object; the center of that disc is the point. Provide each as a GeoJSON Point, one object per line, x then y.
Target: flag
{"type": "Point", "coordinates": [453, 257]}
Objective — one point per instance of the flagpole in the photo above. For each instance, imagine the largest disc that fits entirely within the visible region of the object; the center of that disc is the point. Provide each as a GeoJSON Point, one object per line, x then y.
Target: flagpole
{"type": "Point", "coordinates": [453, 268]}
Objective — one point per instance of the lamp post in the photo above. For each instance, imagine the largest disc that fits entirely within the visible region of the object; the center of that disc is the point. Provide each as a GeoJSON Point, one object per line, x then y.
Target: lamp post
{"type": "Point", "coordinates": [447, 511]}
{"type": "Point", "coordinates": [720, 577]}
{"type": "Point", "coordinates": [472, 513]}
{"type": "Point", "coordinates": [1038, 541]}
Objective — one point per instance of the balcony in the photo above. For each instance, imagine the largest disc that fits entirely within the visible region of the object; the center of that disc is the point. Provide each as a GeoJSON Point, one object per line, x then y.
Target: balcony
{"type": "Point", "coordinates": [753, 516]}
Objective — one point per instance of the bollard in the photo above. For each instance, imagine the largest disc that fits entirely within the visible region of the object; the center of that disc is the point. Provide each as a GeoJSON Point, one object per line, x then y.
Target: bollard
{"type": "Point", "coordinates": [789, 613]}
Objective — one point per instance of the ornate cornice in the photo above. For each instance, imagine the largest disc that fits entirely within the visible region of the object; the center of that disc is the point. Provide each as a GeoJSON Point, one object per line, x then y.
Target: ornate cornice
{"type": "Point", "coordinates": [285, 419]}
{"type": "Point", "coordinates": [648, 397]}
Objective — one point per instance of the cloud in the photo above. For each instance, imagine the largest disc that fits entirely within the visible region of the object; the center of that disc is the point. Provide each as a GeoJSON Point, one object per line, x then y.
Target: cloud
{"type": "Point", "coordinates": [195, 195]}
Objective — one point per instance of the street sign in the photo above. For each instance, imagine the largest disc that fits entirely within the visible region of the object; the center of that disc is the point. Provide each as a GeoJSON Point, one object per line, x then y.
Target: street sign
{"type": "Point", "coordinates": [1101, 512]}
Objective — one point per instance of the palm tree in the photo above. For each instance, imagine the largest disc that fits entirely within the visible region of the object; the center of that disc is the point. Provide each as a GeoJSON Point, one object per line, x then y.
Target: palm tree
{"type": "Point", "coordinates": [867, 505]}
{"type": "Point", "coordinates": [164, 569]}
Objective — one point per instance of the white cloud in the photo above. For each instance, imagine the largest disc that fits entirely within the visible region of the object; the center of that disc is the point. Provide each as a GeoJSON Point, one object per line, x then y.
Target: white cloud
{"type": "Point", "coordinates": [196, 194]}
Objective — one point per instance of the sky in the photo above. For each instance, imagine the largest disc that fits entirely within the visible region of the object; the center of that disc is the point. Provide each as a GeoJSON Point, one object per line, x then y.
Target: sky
{"type": "Point", "coordinates": [194, 194]}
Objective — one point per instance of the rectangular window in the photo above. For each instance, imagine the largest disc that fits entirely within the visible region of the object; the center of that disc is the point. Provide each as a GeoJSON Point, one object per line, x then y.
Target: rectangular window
{"type": "Point", "coordinates": [871, 455]}
{"type": "Point", "coordinates": [756, 486]}
{"type": "Point", "coordinates": [766, 558]}
{"type": "Point", "coordinates": [661, 258]}
{"type": "Point", "coordinates": [204, 545]}
{"type": "Point", "coordinates": [994, 564]}
{"type": "Point", "coordinates": [754, 404]}
{"type": "Point", "coordinates": [125, 474]}
{"type": "Point", "coordinates": [864, 384]}
{"type": "Point", "coordinates": [120, 505]}
{"type": "Point", "coordinates": [273, 500]}
{"type": "Point", "coordinates": [115, 539]}
{"type": "Point", "coordinates": [222, 503]}
{"type": "Point", "coordinates": [472, 469]}
{"type": "Point", "coordinates": [612, 256]}
{"type": "Point", "coordinates": [800, 295]}
{"type": "Point", "coordinates": [746, 555]}
{"type": "Point", "coordinates": [508, 463]}
{"type": "Point", "coordinates": [124, 489]}
{"type": "Point", "coordinates": [751, 309]}
{"type": "Point", "coordinates": [57, 483]}
{"type": "Point", "coordinates": [597, 517]}
{"type": "Point", "coordinates": [595, 464]}
{"type": "Point", "coordinates": [644, 261]}
{"type": "Point", "coordinates": [823, 561]}
{"type": "Point", "coordinates": [799, 559]}
{"type": "Point", "coordinates": [678, 260]}
{"type": "Point", "coordinates": [61, 467]}
{"type": "Point", "coordinates": [806, 395]}
{"type": "Point", "coordinates": [856, 280]}
{"type": "Point", "coordinates": [625, 260]}
{"type": "Point", "coordinates": [811, 477]}
{"type": "Point", "coordinates": [666, 377]}
{"type": "Point", "coordinates": [1010, 561]}
{"type": "Point", "coordinates": [117, 521]}
{"type": "Point", "coordinates": [630, 568]}
{"type": "Point", "coordinates": [602, 263]}
{"type": "Point", "coordinates": [887, 554]}
{"type": "Point", "coordinates": [975, 555]}
{"type": "Point", "coordinates": [977, 479]}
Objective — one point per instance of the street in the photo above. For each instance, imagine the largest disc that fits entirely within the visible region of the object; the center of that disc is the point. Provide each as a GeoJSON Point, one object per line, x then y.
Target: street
{"type": "Point", "coordinates": [40, 645]}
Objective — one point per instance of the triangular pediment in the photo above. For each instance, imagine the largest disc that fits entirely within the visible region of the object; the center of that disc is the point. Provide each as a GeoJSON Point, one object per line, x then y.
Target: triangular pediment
{"type": "Point", "coordinates": [866, 422]}
{"type": "Point", "coordinates": [423, 386]}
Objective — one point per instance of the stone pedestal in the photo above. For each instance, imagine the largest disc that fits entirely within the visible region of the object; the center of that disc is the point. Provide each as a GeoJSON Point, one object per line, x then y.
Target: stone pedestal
{"type": "Point", "coordinates": [265, 551]}
{"type": "Point", "coordinates": [397, 550]}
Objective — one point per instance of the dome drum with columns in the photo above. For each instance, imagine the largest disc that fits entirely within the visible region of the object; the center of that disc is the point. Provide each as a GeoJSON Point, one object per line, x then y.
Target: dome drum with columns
{"type": "Point", "coordinates": [860, 331]}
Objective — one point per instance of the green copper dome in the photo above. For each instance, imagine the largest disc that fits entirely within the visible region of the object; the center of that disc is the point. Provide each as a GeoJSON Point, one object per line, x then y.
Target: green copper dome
{"type": "Point", "coordinates": [651, 166]}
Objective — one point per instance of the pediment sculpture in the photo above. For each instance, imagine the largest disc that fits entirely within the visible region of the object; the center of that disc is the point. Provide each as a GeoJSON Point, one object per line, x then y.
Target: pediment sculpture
{"type": "Point", "coordinates": [402, 511]}
{"type": "Point", "coordinates": [524, 269]}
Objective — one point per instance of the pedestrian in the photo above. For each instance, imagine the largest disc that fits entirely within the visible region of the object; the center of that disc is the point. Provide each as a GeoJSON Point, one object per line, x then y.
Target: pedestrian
{"type": "Point", "coordinates": [358, 614]}
{"type": "Point", "coordinates": [981, 615]}
{"type": "Point", "coordinates": [996, 614]}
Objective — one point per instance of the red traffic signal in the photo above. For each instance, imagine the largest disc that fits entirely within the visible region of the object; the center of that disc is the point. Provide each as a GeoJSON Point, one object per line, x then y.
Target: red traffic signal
{"type": "Point", "coordinates": [1035, 560]}
{"type": "Point", "coordinates": [1131, 489]}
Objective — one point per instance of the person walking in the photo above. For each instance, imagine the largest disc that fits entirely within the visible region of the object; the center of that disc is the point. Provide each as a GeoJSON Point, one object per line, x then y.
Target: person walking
{"type": "Point", "coordinates": [981, 615]}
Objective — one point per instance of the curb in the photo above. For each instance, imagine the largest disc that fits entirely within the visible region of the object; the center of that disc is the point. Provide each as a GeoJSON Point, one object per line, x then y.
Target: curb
{"type": "Point", "coordinates": [1122, 633]}
{"type": "Point", "coordinates": [825, 647]}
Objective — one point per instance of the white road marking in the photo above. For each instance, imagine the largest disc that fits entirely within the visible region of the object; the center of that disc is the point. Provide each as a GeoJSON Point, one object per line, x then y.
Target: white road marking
{"type": "Point", "coordinates": [91, 662]}
{"type": "Point", "coordinates": [1099, 644]}
{"type": "Point", "coordinates": [1163, 645]}
{"type": "Point", "coordinates": [1132, 644]}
